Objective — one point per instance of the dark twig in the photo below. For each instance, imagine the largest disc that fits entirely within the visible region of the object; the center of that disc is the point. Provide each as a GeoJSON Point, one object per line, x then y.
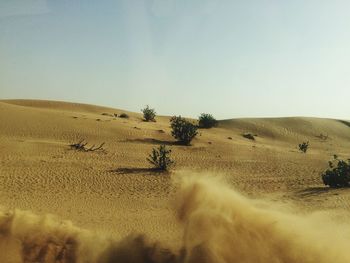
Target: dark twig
{"type": "Point", "coordinates": [81, 146]}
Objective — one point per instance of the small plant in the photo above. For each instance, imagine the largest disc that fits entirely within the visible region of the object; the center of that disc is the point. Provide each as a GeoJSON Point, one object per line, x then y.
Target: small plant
{"type": "Point", "coordinates": [303, 147]}
{"type": "Point", "coordinates": [338, 174]}
{"type": "Point", "coordinates": [148, 113]}
{"type": "Point", "coordinates": [207, 121]}
{"type": "Point", "coordinates": [160, 158]}
{"type": "Point", "coordinates": [182, 130]}
{"type": "Point", "coordinates": [124, 115]}
{"type": "Point", "coordinates": [323, 137]}
{"type": "Point", "coordinates": [249, 136]}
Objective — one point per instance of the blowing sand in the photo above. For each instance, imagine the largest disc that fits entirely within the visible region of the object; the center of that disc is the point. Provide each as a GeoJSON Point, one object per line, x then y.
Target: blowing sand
{"type": "Point", "coordinates": [219, 225]}
{"type": "Point", "coordinates": [287, 215]}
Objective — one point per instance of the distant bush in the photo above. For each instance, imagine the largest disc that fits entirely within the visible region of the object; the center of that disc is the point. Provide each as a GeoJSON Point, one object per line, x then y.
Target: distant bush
{"type": "Point", "coordinates": [206, 120]}
{"type": "Point", "coordinates": [303, 147]}
{"type": "Point", "coordinates": [182, 130]}
{"type": "Point", "coordinates": [323, 137]}
{"type": "Point", "coordinates": [249, 136]}
{"type": "Point", "coordinates": [124, 115]}
{"type": "Point", "coordinates": [160, 158]}
{"type": "Point", "coordinates": [338, 175]}
{"type": "Point", "coordinates": [148, 113]}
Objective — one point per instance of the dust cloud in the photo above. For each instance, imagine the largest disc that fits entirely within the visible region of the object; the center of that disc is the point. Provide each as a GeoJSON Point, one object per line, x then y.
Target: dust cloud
{"type": "Point", "coordinates": [223, 226]}
{"type": "Point", "coordinates": [220, 226]}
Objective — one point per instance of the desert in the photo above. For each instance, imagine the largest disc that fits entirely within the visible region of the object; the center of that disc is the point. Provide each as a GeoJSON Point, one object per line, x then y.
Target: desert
{"type": "Point", "coordinates": [174, 131]}
{"type": "Point", "coordinates": [114, 194]}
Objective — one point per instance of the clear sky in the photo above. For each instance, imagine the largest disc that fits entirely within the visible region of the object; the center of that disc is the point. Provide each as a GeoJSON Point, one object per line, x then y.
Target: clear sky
{"type": "Point", "coordinates": [248, 58]}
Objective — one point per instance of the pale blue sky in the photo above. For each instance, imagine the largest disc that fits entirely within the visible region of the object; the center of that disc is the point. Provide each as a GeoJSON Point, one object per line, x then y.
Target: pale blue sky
{"type": "Point", "coordinates": [248, 58]}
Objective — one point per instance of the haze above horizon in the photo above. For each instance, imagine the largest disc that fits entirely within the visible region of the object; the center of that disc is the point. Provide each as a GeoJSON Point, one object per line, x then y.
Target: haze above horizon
{"type": "Point", "coordinates": [259, 58]}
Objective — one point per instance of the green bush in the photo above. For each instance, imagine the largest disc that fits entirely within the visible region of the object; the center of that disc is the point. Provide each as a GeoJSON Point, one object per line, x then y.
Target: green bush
{"type": "Point", "coordinates": [124, 115]}
{"type": "Point", "coordinates": [206, 120]}
{"type": "Point", "coordinates": [338, 174]}
{"type": "Point", "coordinates": [182, 130]}
{"type": "Point", "coordinates": [148, 113]}
{"type": "Point", "coordinates": [303, 147]}
{"type": "Point", "coordinates": [160, 158]}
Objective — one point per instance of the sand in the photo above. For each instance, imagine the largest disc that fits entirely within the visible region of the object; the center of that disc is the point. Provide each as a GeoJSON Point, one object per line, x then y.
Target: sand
{"type": "Point", "coordinates": [114, 194]}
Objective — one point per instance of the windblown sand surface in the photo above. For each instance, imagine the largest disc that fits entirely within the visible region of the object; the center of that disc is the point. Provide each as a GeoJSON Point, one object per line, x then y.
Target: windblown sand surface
{"type": "Point", "coordinates": [113, 194]}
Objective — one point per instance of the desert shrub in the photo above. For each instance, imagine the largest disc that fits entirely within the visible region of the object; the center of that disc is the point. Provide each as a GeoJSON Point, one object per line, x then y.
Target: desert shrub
{"type": "Point", "coordinates": [124, 115]}
{"type": "Point", "coordinates": [148, 113]}
{"type": "Point", "coordinates": [206, 120]}
{"type": "Point", "coordinates": [338, 174]}
{"type": "Point", "coordinates": [303, 147]}
{"type": "Point", "coordinates": [160, 158]}
{"type": "Point", "coordinates": [249, 136]}
{"type": "Point", "coordinates": [323, 137]}
{"type": "Point", "coordinates": [182, 130]}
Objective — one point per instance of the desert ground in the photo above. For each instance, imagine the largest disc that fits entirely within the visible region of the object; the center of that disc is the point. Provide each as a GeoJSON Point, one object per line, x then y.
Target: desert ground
{"type": "Point", "coordinates": [114, 193]}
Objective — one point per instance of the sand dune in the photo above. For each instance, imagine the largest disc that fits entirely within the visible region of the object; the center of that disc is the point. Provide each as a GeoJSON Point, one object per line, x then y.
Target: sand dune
{"type": "Point", "coordinates": [292, 128]}
{"type": "Point", "coordinates": [114, 194]}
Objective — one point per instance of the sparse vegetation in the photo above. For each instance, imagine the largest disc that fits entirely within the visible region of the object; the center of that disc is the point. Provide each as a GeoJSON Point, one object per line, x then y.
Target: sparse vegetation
{"type": "Point", "coordinates": [303, 147]}
{"type": "Point", "coordinates": [182, 130]}
{"type": "Point", "coordinates": [323, 137]}
{"type": "Point", "coordinates": [249, 136]}
{"type": "Point", "coordinates": [148, 113]}
{"type": "Point", "coordinates": [207, 121]}
{"type": "Point", "coordinates": [160, 158]}
{"type": "Point", "coordinates": [124, 115]}
{"type": "Point", "coordinates": [82, 146]}
{"type": "Point", "coordinates": [338, 173]}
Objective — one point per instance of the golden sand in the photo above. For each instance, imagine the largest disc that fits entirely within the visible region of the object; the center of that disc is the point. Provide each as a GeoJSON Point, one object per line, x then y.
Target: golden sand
{"type": "Point", "coordinates": [113, 194]}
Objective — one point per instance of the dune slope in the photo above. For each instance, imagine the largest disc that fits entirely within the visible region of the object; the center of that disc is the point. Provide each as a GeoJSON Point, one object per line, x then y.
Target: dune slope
{"type": "Point", "coordinates": [114, 192]}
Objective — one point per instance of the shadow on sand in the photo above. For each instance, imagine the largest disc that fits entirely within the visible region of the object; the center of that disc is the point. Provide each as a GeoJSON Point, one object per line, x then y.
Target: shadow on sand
{"type": "Point", "coordinates": [314, 191]}
{"type": "Point", "coordinates": [126, 170]}
{"type": "Point", "coordinates": [311, 191]}
{"type": "Point", "coordinates": [154, 141]}
{"type": "Point", "coordinates": [347, 123]}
